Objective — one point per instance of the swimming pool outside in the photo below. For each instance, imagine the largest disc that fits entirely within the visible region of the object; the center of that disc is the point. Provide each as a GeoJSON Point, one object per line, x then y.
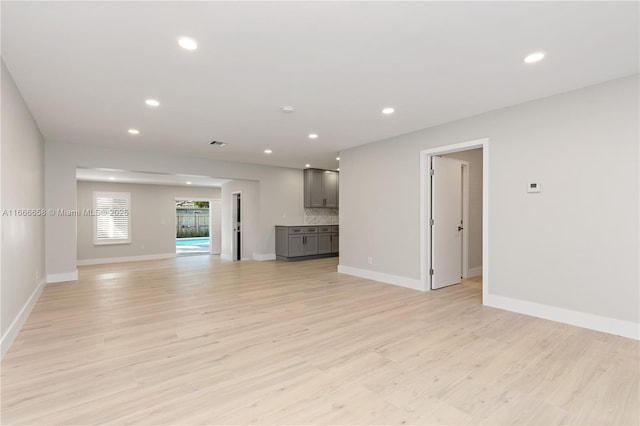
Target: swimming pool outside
{"type": "Point", "coordinates": [192, 245]}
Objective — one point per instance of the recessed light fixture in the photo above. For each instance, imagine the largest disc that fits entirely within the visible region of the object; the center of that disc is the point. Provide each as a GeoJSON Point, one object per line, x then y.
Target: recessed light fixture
{"type": "Point", "coordinates": [134, 131]}
{"type": "Point", "coordinates": [189, 182]}
{"type": "Point", "coordinates": [152, 102]}
{"type": "Point", "coordinates": [218, 143]}
{"type": "Point", "coordinates": [112, 178]}
{"type": "Point", "coordinates": [534, 57]}
{"type": "Point", "coordinates": [338, 169]}
{"type": "Point", "coordinates": [387, 111]}
{"type": "Point", "coordinates": [287, 109]}
{"type": "Point", "coordinates": [313, 136]}
{"type": "Point", "coordinates": [187, 43]}
{"type": "Point", "coordinates": [338, 158]}
{"type": "Point", "coordinates": [307, 165]}
{"type": "Point", "coordinates": [267, 151]}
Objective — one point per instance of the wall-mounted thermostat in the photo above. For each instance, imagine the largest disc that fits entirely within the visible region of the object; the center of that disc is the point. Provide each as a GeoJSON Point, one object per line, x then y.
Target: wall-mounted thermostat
{"type": "Point", "coordinates": [533, 187]}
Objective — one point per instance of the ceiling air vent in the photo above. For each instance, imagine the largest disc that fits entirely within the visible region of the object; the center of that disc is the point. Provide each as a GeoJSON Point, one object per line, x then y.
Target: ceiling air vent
{"type": "Point", "coordinates": [217, 143]}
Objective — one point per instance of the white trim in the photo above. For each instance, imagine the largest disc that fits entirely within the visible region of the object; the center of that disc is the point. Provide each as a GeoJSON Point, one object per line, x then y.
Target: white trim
{"type": "Point", "coordinates": [580, 319]}
{"type": "Point", "coordinates": [61, 278]}
{"type": "Point", "coordinates": [225, 256]}
{"type": "Point", "coordinates": [425, 207]}
{"type": "Point", "coordinates": [474, 272]}
{"type": "Point", "coordinates": [264, 256]}
{"type": "Point", "coordinates": [412, 283]}
{"type": "Point", "coordinates": [18, 322]}
{"type": "Point", "coordinates": [465, 218]}
{"type": "Point", "coordinates": [104, 260]}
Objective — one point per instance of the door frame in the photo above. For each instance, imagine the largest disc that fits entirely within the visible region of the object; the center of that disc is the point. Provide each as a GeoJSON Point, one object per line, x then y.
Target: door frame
{"type": "Point", "coordinates": [210, 200]}
{"type": "Point", "coordinates": [425, 209]}
{"type": "Point", "coordinates": [233, 224]}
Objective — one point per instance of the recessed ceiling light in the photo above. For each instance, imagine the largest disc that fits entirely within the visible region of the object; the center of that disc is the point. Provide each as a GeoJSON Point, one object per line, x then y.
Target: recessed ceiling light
{"type": "Point", "coordinates": [189, 183]}
{"type": "Point", "coordinates": [267, 151]}
{"type": "Point", "coordinates": [152, 102]}
{"type": "Point", "coordinates": [338, 158]}
{"type": "Point", "coordinates": [112, 178]}
{"type": "Point", "coordinates": [338, 169]}
{"type": "Point", "coordinates": [387, 110]}
{"type": "Point", "coordinates": [134, 131]}
{"type": "Point", "coordinates": [534, 57]}
{"type": "Point", "coordinates": [307, 165]}
{"type": "Point", "coordinates": [287, 109]}
{"type": "Point", "coordinates": [313, 136]}
{"type": "Point", "coordinates": [187, 43]}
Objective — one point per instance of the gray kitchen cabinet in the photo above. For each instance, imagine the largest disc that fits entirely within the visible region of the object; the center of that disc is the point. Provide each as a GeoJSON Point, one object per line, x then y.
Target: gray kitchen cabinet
{"type": "Point", "coordinates": [335, 240]}
{"type": "Point", "coordinates": [324, 243]}
{"type": "Point", "coordinates": [304, 242]}
{"type": "Point", "coordinates": [320, 188]}
{"type": "Point", "coordinates": [310, 244]}
{"type": "Point", "coordinates": [296, 245]}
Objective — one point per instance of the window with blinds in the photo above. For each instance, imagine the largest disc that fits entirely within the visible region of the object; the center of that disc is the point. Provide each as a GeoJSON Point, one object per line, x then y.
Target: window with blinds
{"type": "Point", "coordinates": [111, 217]}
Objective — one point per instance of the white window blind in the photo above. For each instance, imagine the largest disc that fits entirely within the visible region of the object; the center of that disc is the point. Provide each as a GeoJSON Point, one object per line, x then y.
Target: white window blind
{"type": "Point", "coordinates": [112, 220]}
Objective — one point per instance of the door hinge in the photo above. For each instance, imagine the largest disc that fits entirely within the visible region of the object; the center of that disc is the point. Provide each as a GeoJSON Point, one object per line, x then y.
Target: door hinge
{"type": "Point", "coordinates": [431, 272]}
{"type": "Point", "coordinates": [432, 222]}
{"type": "Point", "coordinates": [431, 172]}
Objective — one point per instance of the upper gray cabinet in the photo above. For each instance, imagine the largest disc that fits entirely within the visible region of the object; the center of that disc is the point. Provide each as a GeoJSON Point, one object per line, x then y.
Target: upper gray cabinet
{"type": "Point", "coordinates": [320, 188]}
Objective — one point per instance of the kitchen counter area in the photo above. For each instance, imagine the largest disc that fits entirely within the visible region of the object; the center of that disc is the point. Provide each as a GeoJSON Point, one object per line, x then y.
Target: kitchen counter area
{"type": "Point", "coordinates": [301, 242]}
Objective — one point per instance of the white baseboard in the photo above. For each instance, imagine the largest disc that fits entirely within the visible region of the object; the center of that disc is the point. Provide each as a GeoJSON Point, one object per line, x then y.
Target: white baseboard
{"type": "Point", "coordinates": [64, 277]}
{"type": "Point", "coordinates": [264, 256]}
{"type": "Point", "coordinates": [580, 319]}
{"type": "Point", "coordinates": [225, 256]}
{"type": "Point", "coordinates": [474, 272]}
{"type": "Point", "coordinates": [18, 322]}
{"type": "Point", "coordinates": [411, 283]}
{"type": "Point", "coordinates": [85, 262]}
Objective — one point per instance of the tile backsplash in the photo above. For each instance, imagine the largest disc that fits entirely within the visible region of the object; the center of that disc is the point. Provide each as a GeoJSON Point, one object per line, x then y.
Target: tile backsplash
{"type": "Point", "coordinates": [320, 216]}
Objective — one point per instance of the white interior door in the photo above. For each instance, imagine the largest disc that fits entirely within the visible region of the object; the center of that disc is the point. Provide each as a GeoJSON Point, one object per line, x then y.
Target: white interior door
{"type": "Point", "coordinates": [446, 228]}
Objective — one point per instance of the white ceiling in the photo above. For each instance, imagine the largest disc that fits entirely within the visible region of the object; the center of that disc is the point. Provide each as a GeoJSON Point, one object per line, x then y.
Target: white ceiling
{"type": "Point", "coordinates": [126, 176]}
{"type": "Point", "coordinates": [85, 69]}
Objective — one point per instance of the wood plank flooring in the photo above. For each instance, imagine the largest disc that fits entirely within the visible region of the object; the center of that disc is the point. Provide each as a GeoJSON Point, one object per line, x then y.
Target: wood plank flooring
{"type": "Point", "coordinates": [196, 340]}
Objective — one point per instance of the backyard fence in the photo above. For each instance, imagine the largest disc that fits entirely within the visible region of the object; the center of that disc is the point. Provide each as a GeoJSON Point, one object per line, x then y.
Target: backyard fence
{"type": "Point", "coordinates": [192, 222]}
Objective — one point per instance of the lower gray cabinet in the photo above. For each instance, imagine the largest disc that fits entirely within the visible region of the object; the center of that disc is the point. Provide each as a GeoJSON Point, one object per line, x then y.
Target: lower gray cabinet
{"type": "Point", "coordinates": [305, 242]}
{"type": "Point", "coordinates": [324, 243]}
{"type": "Point", "coordinates": [335, 242]}
{"type": "Point", "coordinates": [310, 245]}
{"type": "Point", "coordinates": [296, 246]}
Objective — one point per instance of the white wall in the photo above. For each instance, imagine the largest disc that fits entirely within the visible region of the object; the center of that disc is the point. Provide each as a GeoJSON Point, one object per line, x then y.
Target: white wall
{"type": "Point", "coordinates": [474, 226]}
{"type": "Point", "coordinates": [280, 192]}
{"type": "Point", "coordinates": [22, 160]}
{"type": "Point", "coordinates": [153, 218]}
{"type": "Point", "coordinates": [573, 247]}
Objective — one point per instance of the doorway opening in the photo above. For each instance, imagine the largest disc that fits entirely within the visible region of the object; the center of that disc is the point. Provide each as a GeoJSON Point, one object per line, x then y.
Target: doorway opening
{"type": "Point", "coordinates": [197, 226]}
{"type": "Point", "coordinates": [236, 224]}
{"type": "Point", "coordinates": [454, 214]}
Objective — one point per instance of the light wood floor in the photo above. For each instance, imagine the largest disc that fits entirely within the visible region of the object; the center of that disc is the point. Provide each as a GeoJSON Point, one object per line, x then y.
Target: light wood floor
{"type": "Point", "coordinates": [196, 340]}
